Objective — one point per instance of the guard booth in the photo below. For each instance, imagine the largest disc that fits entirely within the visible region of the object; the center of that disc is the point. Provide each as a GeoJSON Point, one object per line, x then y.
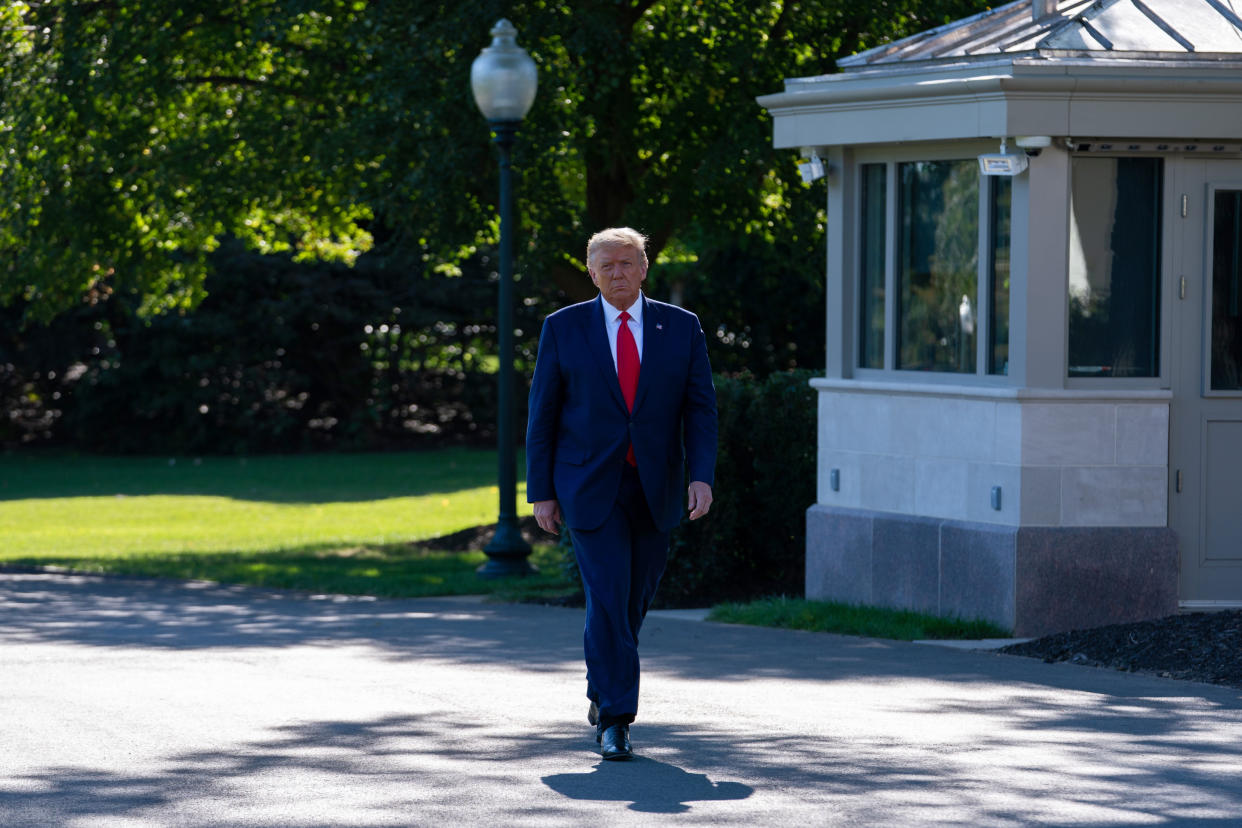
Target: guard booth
{"type": "Point", "coordinates": [1032, 408]}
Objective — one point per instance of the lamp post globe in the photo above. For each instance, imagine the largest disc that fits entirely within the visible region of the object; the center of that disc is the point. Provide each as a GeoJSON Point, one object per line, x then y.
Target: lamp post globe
{"type": "Point", "coordinates": [503, 78]}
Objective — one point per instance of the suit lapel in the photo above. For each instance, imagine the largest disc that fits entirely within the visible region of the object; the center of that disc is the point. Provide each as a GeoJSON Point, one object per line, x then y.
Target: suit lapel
{"type": "Point", "coordinates": [597, 343]}
{"type": "Point", "coordinates": [653, 343]}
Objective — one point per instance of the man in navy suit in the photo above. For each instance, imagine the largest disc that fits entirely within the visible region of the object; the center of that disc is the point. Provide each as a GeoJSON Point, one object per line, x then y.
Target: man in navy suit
{"type": "Point", "coordinates": [621, 404]}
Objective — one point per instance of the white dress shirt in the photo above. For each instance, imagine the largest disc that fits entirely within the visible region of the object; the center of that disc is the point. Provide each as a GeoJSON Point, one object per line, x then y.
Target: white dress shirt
{"type": "Point", "coordinates": [612, 324]}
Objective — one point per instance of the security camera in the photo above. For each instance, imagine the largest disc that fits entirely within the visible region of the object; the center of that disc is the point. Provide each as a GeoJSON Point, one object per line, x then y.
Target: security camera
{"type": "Point", "coordinates": [1033, 144]}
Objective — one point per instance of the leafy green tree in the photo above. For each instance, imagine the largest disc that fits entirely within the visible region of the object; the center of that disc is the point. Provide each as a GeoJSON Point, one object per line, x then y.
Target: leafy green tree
{"type": "Point", "coordinates": [137, 134]}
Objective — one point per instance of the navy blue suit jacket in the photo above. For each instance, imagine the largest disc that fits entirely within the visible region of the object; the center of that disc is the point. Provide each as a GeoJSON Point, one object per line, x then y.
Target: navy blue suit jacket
{"type": "Point", "coordinates": [579, 429]}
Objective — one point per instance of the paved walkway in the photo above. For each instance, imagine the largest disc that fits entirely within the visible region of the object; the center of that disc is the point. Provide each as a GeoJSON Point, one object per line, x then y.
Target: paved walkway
{"type": "Point", "coordinates": [135, 703]}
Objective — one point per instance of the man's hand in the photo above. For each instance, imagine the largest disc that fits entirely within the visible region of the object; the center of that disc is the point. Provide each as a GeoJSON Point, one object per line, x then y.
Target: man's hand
{"type": "Point", "coordinates": [548, 515]}
{"type": "Point", "coordinates": [700, 499]}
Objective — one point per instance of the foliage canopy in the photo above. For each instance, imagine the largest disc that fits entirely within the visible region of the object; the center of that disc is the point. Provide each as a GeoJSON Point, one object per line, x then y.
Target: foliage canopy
{"type": "Point", "coordinates": [137, 134]}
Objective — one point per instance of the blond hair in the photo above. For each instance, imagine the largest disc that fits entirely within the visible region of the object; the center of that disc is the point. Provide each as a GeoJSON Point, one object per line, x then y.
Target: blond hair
{"type": "Point", "coordinates": [617, 236]}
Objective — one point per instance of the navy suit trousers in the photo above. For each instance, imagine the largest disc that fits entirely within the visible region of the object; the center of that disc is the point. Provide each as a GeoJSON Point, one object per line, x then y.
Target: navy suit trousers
{"type": "Point", "coordinates": [621, 563]}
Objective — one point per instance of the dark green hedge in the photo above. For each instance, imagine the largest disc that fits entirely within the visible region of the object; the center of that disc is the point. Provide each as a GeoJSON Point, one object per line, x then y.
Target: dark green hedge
{"type": "Point", "coordinates": [753, 542]}
{"type": "Point", "coordinates": [280, 357]}
{"type": "Point", "coordinates": [289, 356]}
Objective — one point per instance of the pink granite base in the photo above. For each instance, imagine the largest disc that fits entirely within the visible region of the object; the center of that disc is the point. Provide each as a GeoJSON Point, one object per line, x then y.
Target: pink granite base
{"type": "Point", "coordinates": [1031, 580]}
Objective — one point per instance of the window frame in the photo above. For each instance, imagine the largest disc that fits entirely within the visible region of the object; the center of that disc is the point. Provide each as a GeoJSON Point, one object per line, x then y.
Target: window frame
{"type": "Point", "coordinates": [1209, 291]}
{"type": "Point", "coordinates": [1179, 178]}
{"type": "Point", "coordinates": [1157, 307]}
{"type": "Point", "coordinates": [892, 157]}
{"type": "Point", "coordinates": [1173, 186]}
{"type": "Point", "coordinates": [860, 287]}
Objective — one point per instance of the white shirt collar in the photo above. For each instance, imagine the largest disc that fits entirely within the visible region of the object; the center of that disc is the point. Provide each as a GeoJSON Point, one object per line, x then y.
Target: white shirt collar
{"type": "Point", "coordinates": [635, 310]}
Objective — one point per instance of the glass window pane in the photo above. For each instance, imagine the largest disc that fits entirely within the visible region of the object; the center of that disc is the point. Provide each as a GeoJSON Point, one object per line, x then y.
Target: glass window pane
{"type": "Point", "coordinates": [938, 253]}
{"type": "Point", "coordinates": [1226, 338]}
{"type": "Point", "coordinates": [871, 293]}
{"type": "Point", "coordinates": [999, 202]}
{"type": "Point", "coordinates": [1114, 267]}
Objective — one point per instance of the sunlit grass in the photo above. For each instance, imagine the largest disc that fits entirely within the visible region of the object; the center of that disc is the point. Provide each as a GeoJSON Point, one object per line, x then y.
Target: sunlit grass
{"type": "Point", "coordinates": [138, 524]}
{"type": "Point", "coordinates": [332, 523]}
{"type": "Point", "coordinates": [67, 506]}
{"type": "Point", "coordinates": [852, 619]}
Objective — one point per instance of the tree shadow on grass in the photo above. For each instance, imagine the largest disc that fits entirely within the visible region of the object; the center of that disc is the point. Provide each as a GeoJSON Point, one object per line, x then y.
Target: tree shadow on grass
{"type": "Point", "coordinates": [285, 479]}
{"type": "Point", "coordinates": [438, 566]}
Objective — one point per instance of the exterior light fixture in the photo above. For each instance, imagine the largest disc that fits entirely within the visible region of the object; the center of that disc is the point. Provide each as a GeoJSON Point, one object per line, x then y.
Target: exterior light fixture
{"type": "Point", "coordinates": [812, 170]}
{"type": "Point", "coordinates": [1002, 163]}
{"type": "Point", "coordinates": [504, 78]}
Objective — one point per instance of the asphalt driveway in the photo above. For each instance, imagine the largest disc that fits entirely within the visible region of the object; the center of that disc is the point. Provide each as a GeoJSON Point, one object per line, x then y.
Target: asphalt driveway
{"type": "Point", "coordinates": [144, 703]}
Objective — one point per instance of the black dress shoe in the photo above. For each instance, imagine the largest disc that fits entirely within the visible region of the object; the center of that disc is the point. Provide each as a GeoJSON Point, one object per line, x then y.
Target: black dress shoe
{"type": "Point", "coordinates": [593, 714]}
{"type": "Point", "coordinates": [615, 743]}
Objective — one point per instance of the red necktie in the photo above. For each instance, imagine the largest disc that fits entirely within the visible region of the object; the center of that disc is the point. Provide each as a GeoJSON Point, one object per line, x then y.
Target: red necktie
{"type": "Point", "coordinates": [627, 370]}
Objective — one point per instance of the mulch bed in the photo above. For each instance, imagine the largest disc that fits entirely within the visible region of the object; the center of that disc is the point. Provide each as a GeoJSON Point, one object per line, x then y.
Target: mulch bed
{"type": "Point", "coordinates": [1200, 646]}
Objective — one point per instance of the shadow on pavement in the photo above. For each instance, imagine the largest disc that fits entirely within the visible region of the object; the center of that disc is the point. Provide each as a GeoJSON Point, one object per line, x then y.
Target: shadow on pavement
{"type": "Point", "coordinates": [647, 785]}
{"type": "Point", "coordinates": [423, 770]}
{"type": "Point", "coordinates": [880, 733]}
{"type": "Point", "coordinates": [157, 614]}
{"type": "Point", "coordinates": [429, 770]}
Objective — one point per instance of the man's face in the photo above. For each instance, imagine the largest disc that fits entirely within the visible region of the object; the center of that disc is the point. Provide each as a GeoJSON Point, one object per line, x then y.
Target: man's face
{"type": "Point", "coordinates": [618, 270]}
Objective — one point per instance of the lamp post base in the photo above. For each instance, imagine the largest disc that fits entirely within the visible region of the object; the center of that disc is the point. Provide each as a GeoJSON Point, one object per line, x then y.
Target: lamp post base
{"type": "Point", "coordinates": [507, 553]}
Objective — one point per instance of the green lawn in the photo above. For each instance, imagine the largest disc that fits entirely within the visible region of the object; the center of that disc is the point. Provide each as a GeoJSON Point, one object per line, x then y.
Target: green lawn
{"type": "Point", "coordinates": [851, 619]}
{"type": "Point", "coordinates": [336, 523]}
{"type": "Point", "coordinates": [330, 522]}
{"type": "Point", "coordinates": [73, 506]}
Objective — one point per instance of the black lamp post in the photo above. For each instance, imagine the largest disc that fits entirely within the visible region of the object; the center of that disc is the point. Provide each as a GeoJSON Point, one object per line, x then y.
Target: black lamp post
{"type": "Point", "coordinates": [504, 79]}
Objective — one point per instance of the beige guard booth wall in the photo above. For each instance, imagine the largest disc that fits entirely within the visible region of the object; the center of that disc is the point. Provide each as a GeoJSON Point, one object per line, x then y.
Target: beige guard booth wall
{"type": "Point", "coordinates": [1081, 533]}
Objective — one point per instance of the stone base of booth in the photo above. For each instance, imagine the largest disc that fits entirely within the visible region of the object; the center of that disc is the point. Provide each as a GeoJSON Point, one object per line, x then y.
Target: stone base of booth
{"type": "Point", "coordinates": [1033, 580]}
